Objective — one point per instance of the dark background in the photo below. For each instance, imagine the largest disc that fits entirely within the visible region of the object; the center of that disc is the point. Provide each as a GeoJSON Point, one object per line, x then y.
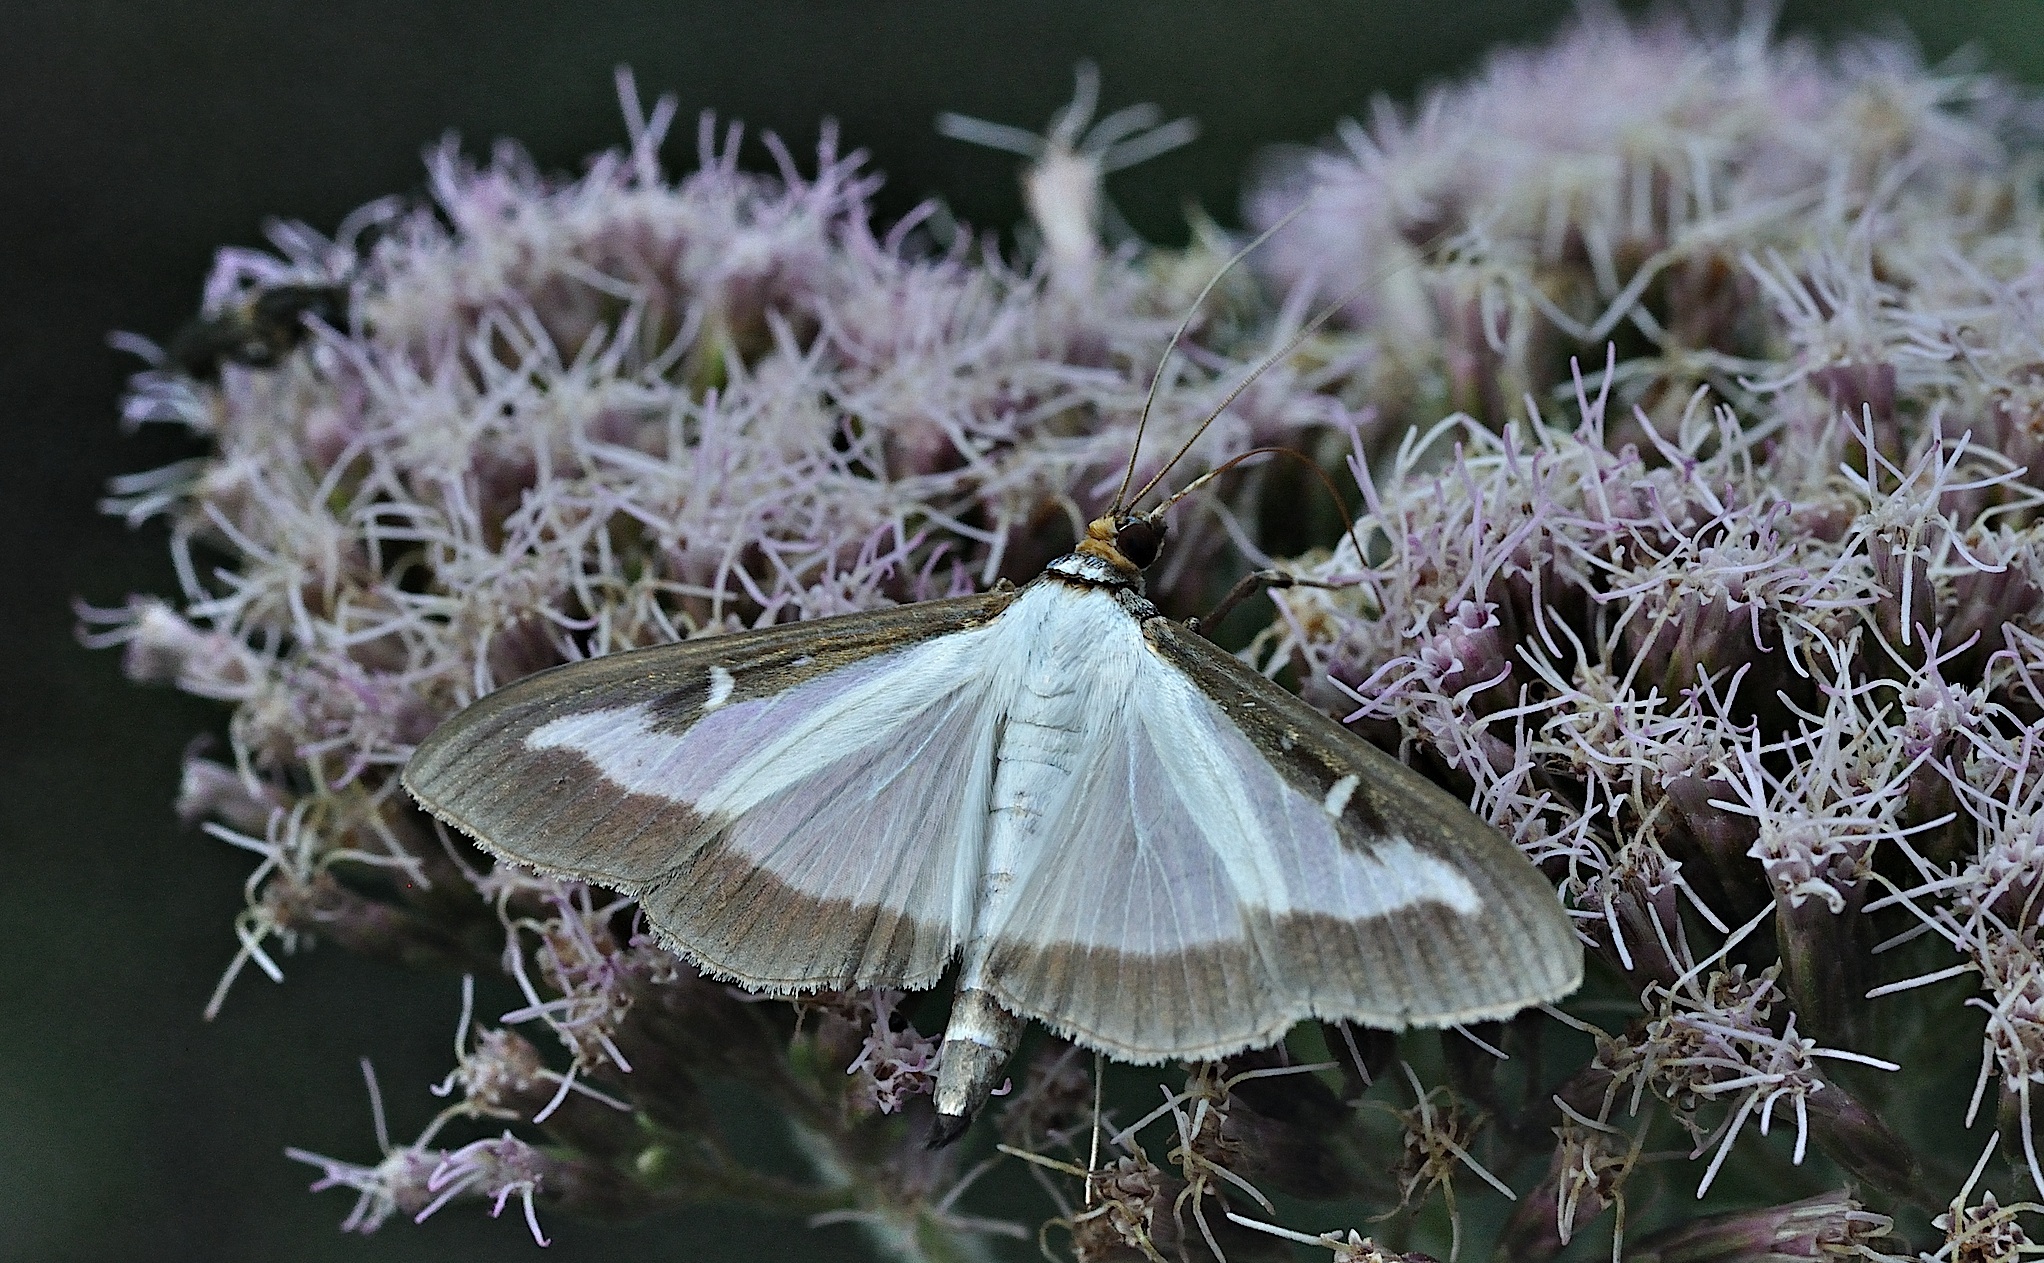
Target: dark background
{"type": "Point", "coordinates": [135, 138]}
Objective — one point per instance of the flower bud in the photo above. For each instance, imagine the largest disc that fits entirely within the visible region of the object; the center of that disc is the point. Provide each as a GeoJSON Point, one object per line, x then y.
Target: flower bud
{"type": "Point", "coordinates": [1468, 650]}
{"type": "Point", "coordinates": [1865, 392]}
{"type": "Point", "coordinates": [1584, 1178]}
{"type": "Point", "coordinates": [164, 647]}
{"type": "Point", "coordinates": [1724, 837]}
{"type": "Point", "coordinates": [1639, 894]}
{"type": "Point", "coordinates": [1981, 601]}
{"type": "Point", "coordinates": [1704, 632]}
{"type": "Point", "coordinates": [322, 906]}
{"type": "Point", "coordinates": [1856, 1139]}
{"type": "Point", "coordinates": [214, 791]}
{"type": "Point", "coordinates": [500, 1169]}
{"type": "Point", "coordinates": [503, 1076]}
{"type": "Point", "coordinates": [1830, 1226]}
{"type": "Point", "coordinates": [1824, 965]}
{"type": "Point", "coordinates": [894, 1063]}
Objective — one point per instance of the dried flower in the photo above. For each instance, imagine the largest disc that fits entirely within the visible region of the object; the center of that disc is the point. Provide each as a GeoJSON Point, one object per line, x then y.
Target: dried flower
{"type": "Point", "coordinates": [893, 1064]}
{"type": "Point", "coordinates": [496, 1169]}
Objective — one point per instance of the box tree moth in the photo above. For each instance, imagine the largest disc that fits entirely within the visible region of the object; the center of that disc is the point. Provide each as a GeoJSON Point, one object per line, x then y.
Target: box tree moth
{"type": "Point", "coordinates": [1104, 822]}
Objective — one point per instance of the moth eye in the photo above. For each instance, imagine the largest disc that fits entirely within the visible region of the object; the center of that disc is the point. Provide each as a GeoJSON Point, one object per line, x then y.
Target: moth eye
{"type": "Point", "coordinates": [1139, 540]}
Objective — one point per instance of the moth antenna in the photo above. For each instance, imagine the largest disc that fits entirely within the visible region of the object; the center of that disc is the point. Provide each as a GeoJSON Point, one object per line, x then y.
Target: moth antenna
{"type": "Point", "coordinates": [1292, 344]}
{"type": "Point", "coordinates": [1347, 519]}
{"type": "Point", "coordinates": [1178, 335]}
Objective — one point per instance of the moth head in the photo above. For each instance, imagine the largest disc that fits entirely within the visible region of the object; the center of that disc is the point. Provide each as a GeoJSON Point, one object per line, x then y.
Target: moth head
{"type": "Point", "coordinates": [1139, 539]}
{"type": "Point", "coordinates": [1129, 542]}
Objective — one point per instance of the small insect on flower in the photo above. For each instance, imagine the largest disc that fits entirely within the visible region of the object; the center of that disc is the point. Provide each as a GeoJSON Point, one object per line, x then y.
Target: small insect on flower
{"type": "Point", "coordinates": [255, 331]}
{"type": "Point", "coordinates": [1111, 826]}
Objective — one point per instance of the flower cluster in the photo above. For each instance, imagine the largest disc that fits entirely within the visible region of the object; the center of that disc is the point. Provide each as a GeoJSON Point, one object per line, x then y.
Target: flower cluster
{"type": "Point", "coordinates": [1717, 590]}
{"type": "Point", "coordinates": [1735, 626]}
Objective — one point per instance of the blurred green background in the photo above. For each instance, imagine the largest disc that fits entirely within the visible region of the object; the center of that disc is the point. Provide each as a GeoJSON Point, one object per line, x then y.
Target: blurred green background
{"type": "Point", "coordinates": [135, 138]}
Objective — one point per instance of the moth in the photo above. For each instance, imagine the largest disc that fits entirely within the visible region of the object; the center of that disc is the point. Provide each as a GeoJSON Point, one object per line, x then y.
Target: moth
{"type": "Point", "coordinates": [1102, 821]}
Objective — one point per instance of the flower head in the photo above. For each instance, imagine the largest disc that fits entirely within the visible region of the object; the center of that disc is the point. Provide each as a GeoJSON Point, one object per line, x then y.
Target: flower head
{"type": "Point", "coordinates": [1690, 378]}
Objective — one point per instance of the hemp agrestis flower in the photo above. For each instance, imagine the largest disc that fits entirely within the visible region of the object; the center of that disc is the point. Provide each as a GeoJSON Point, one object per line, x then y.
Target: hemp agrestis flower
{"type": "Point", "coordinates": [1692, 389]}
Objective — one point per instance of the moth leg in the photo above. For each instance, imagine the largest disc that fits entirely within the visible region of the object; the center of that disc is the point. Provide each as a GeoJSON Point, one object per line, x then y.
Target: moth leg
{"type": "Point", "coordinates": [977, 1043]}
{"type": "Point", "coordinates": [1247, 586]}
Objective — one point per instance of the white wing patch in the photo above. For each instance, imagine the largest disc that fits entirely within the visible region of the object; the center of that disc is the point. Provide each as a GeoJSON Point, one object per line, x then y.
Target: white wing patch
{"type": "Point", "coordinates": [739, 755]}
{"type": "Point", "coordinates": [1338, 795]}
{"type": "Point", "coordinates": [721, 684]}
{"type": "Point", "coordinates": [838, 786]}
{"type": "Point", "coordinates": [1281, 849]}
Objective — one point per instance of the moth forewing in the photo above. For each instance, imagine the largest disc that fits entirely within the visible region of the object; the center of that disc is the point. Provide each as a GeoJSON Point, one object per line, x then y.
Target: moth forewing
{"type": "Point", "coordinates": [1512, 948]}
{"type": "Point", "coordinates": [621, 771]}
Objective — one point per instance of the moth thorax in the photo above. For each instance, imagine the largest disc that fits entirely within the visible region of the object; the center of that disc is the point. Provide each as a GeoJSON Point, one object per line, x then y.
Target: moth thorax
{"type": "Point", "coordinates": [1129, 544]}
